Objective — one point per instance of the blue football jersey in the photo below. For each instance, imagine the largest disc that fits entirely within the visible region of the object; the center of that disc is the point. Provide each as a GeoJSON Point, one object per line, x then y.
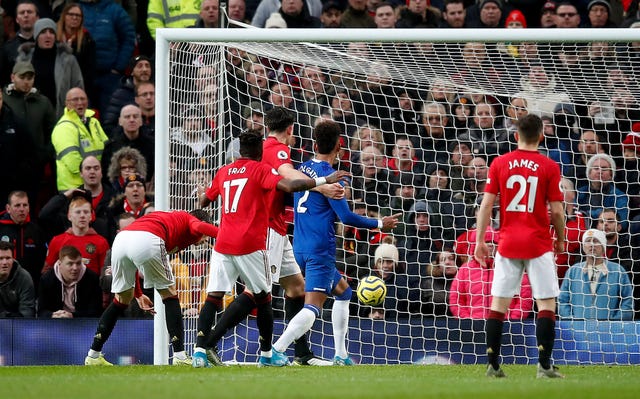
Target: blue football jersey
{"type": "Point", "coordinates": [315, 215]}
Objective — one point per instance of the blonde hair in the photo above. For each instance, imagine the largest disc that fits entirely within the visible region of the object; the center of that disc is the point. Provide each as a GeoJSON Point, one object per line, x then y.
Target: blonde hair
{"type": "Point", "coordinates": [60, 26]}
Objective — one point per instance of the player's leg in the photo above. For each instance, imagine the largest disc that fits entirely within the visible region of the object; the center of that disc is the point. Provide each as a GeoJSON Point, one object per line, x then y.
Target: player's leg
{"type": "Point", "coordinates": [340, 320]}
{"type": "Point", "coordinates": [544, 286]}
{"type": "Point", "coordinates": [124, 272]}
{"type": "Point", "coordinates": [507, 280]}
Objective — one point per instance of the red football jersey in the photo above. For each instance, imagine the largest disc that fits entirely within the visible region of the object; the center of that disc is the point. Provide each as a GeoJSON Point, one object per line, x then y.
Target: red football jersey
{"type": "Point", "coordinates": [244, 187]}
{"type": "Point", "coordinates": [178, 229]}
{"type": "Point", "coordinates": [92, 246]}
{"type": "Point", "coordinates": [275, 154]}
{"type": "Point", "coordinates": [526, 182]}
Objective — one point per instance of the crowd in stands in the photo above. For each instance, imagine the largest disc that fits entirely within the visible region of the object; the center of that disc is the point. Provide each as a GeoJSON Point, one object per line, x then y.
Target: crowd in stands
{"type": "Point", "coordinates": [77, 145]}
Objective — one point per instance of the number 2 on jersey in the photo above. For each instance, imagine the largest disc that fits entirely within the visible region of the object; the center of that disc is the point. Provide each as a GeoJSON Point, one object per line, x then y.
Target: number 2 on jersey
{"type": "Point", "coordinates": [240, 183]}
{"type": "Point", "coordinates": [532, 183]}
{"type": "Point", "coordinates": [301, 208]}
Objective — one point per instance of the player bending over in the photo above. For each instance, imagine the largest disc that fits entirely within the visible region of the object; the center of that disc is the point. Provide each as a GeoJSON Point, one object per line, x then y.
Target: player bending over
{"type": "Point", "coordinates": [314, 247]}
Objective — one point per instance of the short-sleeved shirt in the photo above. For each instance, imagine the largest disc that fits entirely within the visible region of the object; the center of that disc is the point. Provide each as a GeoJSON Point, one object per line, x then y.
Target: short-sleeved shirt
{"type": "Point", "coordinates": [244, 187]}
{"type": "Point", "coordinates": [526, 182]}
{"type": "Point", "coordinates": [276, 154]}
{"type": "Point", "coordinates": [177, 229]}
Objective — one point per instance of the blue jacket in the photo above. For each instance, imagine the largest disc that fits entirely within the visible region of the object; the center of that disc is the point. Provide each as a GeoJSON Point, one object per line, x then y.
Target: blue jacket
{"type": "Point", "coordinates": [613, 299]}
{"type": "Point", "coordinates": [612, 197]}
{"type": "Point", "coordinates": [114, 34]}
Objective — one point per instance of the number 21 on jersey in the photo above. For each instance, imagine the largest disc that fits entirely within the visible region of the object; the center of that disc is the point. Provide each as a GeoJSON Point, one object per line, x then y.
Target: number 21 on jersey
{"type": "Point", "coordinates": [522, 185]}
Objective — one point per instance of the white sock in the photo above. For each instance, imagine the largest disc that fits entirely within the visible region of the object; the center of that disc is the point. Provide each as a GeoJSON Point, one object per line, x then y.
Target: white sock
{"type": "Point", "coordinates": [180, 355]}
{"type": "Point", "coordinates": [199, 349]}
{"type": "Point", "coordinates": [93, 354]}
{"type": "Point", "coordinates": [267, 354]}
{"type": "Point", "coordinates": [340, 322]}
{"type": "Point", "coordinates": [300, 324]}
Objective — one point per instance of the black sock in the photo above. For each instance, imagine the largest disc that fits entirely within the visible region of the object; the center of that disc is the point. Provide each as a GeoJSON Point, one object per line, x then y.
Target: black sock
{"type": "Point", "coordinates": [545, 334]}
{"type": "Point", "coordinates": [235, 313]}
{"type": "Point", "coordinates": [292, 306]}
{"type": "Point", "coordinates": [211, 306]}
{"type": "Point", "coordinates": [173, 317]}
{"type": "Point", "coordinates": [265, 323]}
{"type": "Point", "coordinates": [493, 329]}
{"type": "Point", "coordinates": [107, 323]}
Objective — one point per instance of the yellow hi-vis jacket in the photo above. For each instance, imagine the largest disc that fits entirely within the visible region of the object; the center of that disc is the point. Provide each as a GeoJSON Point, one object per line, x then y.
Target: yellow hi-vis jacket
{"type": "Point", "coordinates": [172, 14]}
{"type": "Point", "coordinates": [73, 141]}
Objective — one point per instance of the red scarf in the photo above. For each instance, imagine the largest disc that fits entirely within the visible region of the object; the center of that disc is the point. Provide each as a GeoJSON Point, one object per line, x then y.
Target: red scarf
{"type": "Point", "coordinates": [129, 209]}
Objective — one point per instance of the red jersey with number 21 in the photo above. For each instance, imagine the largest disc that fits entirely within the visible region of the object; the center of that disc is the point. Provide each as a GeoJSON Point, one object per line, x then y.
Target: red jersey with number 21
{"type": "Point", "coordinates": [526, 181]}
{"type": "Point", "coordinates": [244, 187]}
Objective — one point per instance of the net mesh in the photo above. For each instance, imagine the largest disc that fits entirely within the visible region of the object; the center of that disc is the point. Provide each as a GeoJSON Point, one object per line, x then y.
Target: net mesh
{"type": "Point", "coordinates": [422, 122]}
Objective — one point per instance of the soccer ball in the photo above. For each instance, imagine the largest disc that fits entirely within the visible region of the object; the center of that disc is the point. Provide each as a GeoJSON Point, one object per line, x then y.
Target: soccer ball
{"type": "Point", "coordinates": [371, 291]}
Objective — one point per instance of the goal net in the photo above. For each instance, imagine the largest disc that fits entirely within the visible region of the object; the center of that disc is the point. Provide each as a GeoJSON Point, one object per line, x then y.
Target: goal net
{"type": "Point", "coordinates": [423, 114]}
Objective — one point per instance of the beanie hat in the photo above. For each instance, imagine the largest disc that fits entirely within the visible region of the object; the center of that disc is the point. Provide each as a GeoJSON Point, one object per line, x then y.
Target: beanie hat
{"type": "Point", "coordinates": [549, 6]}
{"type": "Point", "coordinates": [632, 141]}
{"type": "Point", "coordinates": [515, 16]}
{"type": "Point", "coordinates": [604, 3]}
{"type": "Point", "coordinates": [133, 178]}
{"type": "Point", "coordinates": [42, 24]}
{"type": "Point", "coordinates": [597, 235]}
{"type": "Point", "coordinates": [386, 251]}
{"type": "Point", "coordinates": [275, 21]}
{"type": "Point", "coordinates": [485, 2]}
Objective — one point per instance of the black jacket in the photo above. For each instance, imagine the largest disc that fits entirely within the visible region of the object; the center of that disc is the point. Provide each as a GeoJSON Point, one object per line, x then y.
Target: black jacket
{"type": "Point", "coordinates": [17, 295]}
{"type": "Point", "coordinates": [88, 293]}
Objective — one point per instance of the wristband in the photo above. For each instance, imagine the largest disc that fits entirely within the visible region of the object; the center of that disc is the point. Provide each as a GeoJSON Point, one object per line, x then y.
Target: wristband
{"type": "Point", "coordinates": [380, 224]}
{"type": "Point", "coordinates": [320, 181]}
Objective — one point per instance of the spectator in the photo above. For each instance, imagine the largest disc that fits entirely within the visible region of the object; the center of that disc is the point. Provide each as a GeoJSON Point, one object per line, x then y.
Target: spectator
{"type": "Point", "coordinates": [491, 15]}
{"type": "Point", "coordinates": [53, 215]}
{"type": "Point", "coordinates": [77, 135]}
{"type": "Point", "coordinates": [599, 15]}
{"type": "Point", "coordinates": [567, 16]}
{"type": "Point", "coordinates": [331, 16]}
{"type": "Point", "coordinates": [403, 293]}
{"type": "Point", "coordinates": [161, 14]}
{"type": "Point", "coordinates": [133, 200]}
{"type": "Point", "coordinates": [296, 15]}
{"type": "Point", "coordinates": [596, 288]}
{"type": "Point", "coordinates": [114, 34]}
{"type": "Point", "coordinates": [356, 15]}
{"type": "Point", "coordinates": [403, 160]}
{"type": "Point", "coordinates": [418, 14]}
{"type": "Point", "coordinates": [70, 289]}
{"type": "Point", "coordinates": [57, 70]}
{"type": "Point", "coordinates": [542, 91]}
{"type": "Point", "coordinates": [145, 93]}
{"type": "Point", "coordinates": [433, 136]}
{"type": "Point", "coordinates": [405, 194]}
{"type": "Point", "coordinates": [436, 284]}
{"type": "Point", "coordinates": [26, 17]}
{"type": "Point", "coordinates": [385, 16]}
{"type": "Point", "coordinates": [406, 118]}
{"type": "Point", "coordinates": [27, 237]}
{"type": "Point", "coordinates": [238, 11]}
{"type": "Point", "coordinates": [548, 15]}
{"type": "Point", "coordinates": [447, 211]}
{"type": "Point", "coordinates": [209, 14]}
{"type": "Point", "coordinates": [365, 136]}
{"type": "Point", "coordinates": [420, 241]}
{"type": "Point", "coordinates": [475, 176]}
{"type": "Point", "coordinates": [601, 192]}
{"type": "Point", "coordinates": [92, 246]}
{"type": "Point", "coordinates": [575, 226]}
{"type": "Point", "coordinates": [15, 148]}
{"type": "Point", "coordinates": [343, 113]}
{"type": "Point", "coordinates": [618, 248]}
{"type": "Point", "coordinates": [589, 144]}
{"type": "Point", "coordinates": [557, 146]}
{"type": "Point", "coordinates": [17, 294]}
{"type": "Point", "coordinates": [131, 134]}
{"type": "Point", "coordinates": [515, 20]}
{"type": "Point", "coordinates": [34, 112]}
{"type": "Point", "coordinates": [460, 156]}
{"type": "Point", "coordinates": [489, 139]}
{"type": "Point", "coordinates": [141, 71]}
{"type": "Point", "coordinates": [313, 94]}
{"type": "Point", "coordinates": [470, 293]}
{"type": "Point", "coordinates": [125, 162]}
{"type": "Point", "coordinates": [268, 7]}
{"type": "Point", "coordinates": [628, 176]}
{"type": "Point", "coordinates": [370, 180]}
{"type": "Point", "coordinates": [454, 14]}
{"type": "Point", "coordinates": [70, 30]}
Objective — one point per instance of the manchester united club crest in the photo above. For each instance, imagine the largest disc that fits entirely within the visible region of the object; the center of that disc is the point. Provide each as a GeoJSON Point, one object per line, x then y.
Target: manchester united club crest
{"type": "Point", "coordinates": [90, 248]}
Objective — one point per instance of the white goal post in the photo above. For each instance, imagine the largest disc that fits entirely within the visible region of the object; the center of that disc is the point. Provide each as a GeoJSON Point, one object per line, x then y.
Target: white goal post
{"type": "Point", "coordinates": [452, 95]}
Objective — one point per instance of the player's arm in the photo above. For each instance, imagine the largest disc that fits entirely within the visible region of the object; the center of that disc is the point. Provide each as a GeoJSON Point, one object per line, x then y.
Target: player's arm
{"type": "Point", "coordinates": [341, 208]}
{"type": "Point", "coordinates": [291, 186]}
{"type": "Point", "coordinates": [482, 222]}
{"type": "Point", "coordinates": [333, 191]}
{"type": "Point", "coordinates": [557, 214]}
{"type": "Point", "coordinates": [205, 228]}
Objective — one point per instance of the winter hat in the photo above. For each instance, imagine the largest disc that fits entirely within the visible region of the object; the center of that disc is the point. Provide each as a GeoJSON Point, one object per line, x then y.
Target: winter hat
{"type": "Point", "coordinates": [420, 207]}
{"type": "Point", "coordinates": [485, 2]}
{"type": "Point", "coordinates": [386, 251]}
{"type": "Point", "coordinates": [632, 141]}
{"type": "Point", "coordinates": [604, 3]}
{"type": "Point", "coordinates": [139, 58]}
{"type": "Point", "coordinates": [42, 24]}
{"type": "Point", "coordinates": [515, 16]}
{"type": "Point", "coordinates": [275, 21]}
{"type": "Point", "coordinates": [597, 235]}
{"type": "Point", "coordinates": [549, 6]}
{"type": "Point", "coordinates": [133, 178]}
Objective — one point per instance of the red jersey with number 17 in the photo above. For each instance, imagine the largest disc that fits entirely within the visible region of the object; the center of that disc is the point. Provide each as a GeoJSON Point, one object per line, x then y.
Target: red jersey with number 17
{"type": "Point", "coordinates": [244, 187]}
{"type": "Point", "coordinates": [526, 181]}
{"type": "Point", "coordinates": [276, 154]}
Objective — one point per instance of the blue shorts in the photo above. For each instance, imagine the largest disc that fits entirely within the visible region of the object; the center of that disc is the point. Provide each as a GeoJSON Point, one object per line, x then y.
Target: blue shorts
{"type": "Point", "coordinates": [320, 273]}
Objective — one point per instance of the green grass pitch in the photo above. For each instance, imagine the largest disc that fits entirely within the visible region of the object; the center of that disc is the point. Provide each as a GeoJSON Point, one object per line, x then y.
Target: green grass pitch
{"type": "Point", "coordinates": [430, 381]}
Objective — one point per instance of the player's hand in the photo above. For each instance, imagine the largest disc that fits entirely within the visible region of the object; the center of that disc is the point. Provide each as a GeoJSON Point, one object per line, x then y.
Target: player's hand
{"type": "Point", "coordinates": [338, 176]}
{"type": "Point", "coordinates": [558, 246]}
{"type": "Point", "coordinates": [61, 314]}
{"type": "Point", "coordinates": [145, 304]}
{"type": "Point", "coordinates": [481, 253]}
{"type": "Point", "coordinates": [333, 191]}
{"type": "Point", "coordinates": [390, 222]}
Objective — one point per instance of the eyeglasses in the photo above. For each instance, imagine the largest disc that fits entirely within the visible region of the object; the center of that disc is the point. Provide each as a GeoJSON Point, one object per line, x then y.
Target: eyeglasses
{"type": "Point", "coordinates": [148, 94]}
{"type": "Point", "coordinates": [74, 15]}
{"type": "Point", "coordinates": [567, 14]}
